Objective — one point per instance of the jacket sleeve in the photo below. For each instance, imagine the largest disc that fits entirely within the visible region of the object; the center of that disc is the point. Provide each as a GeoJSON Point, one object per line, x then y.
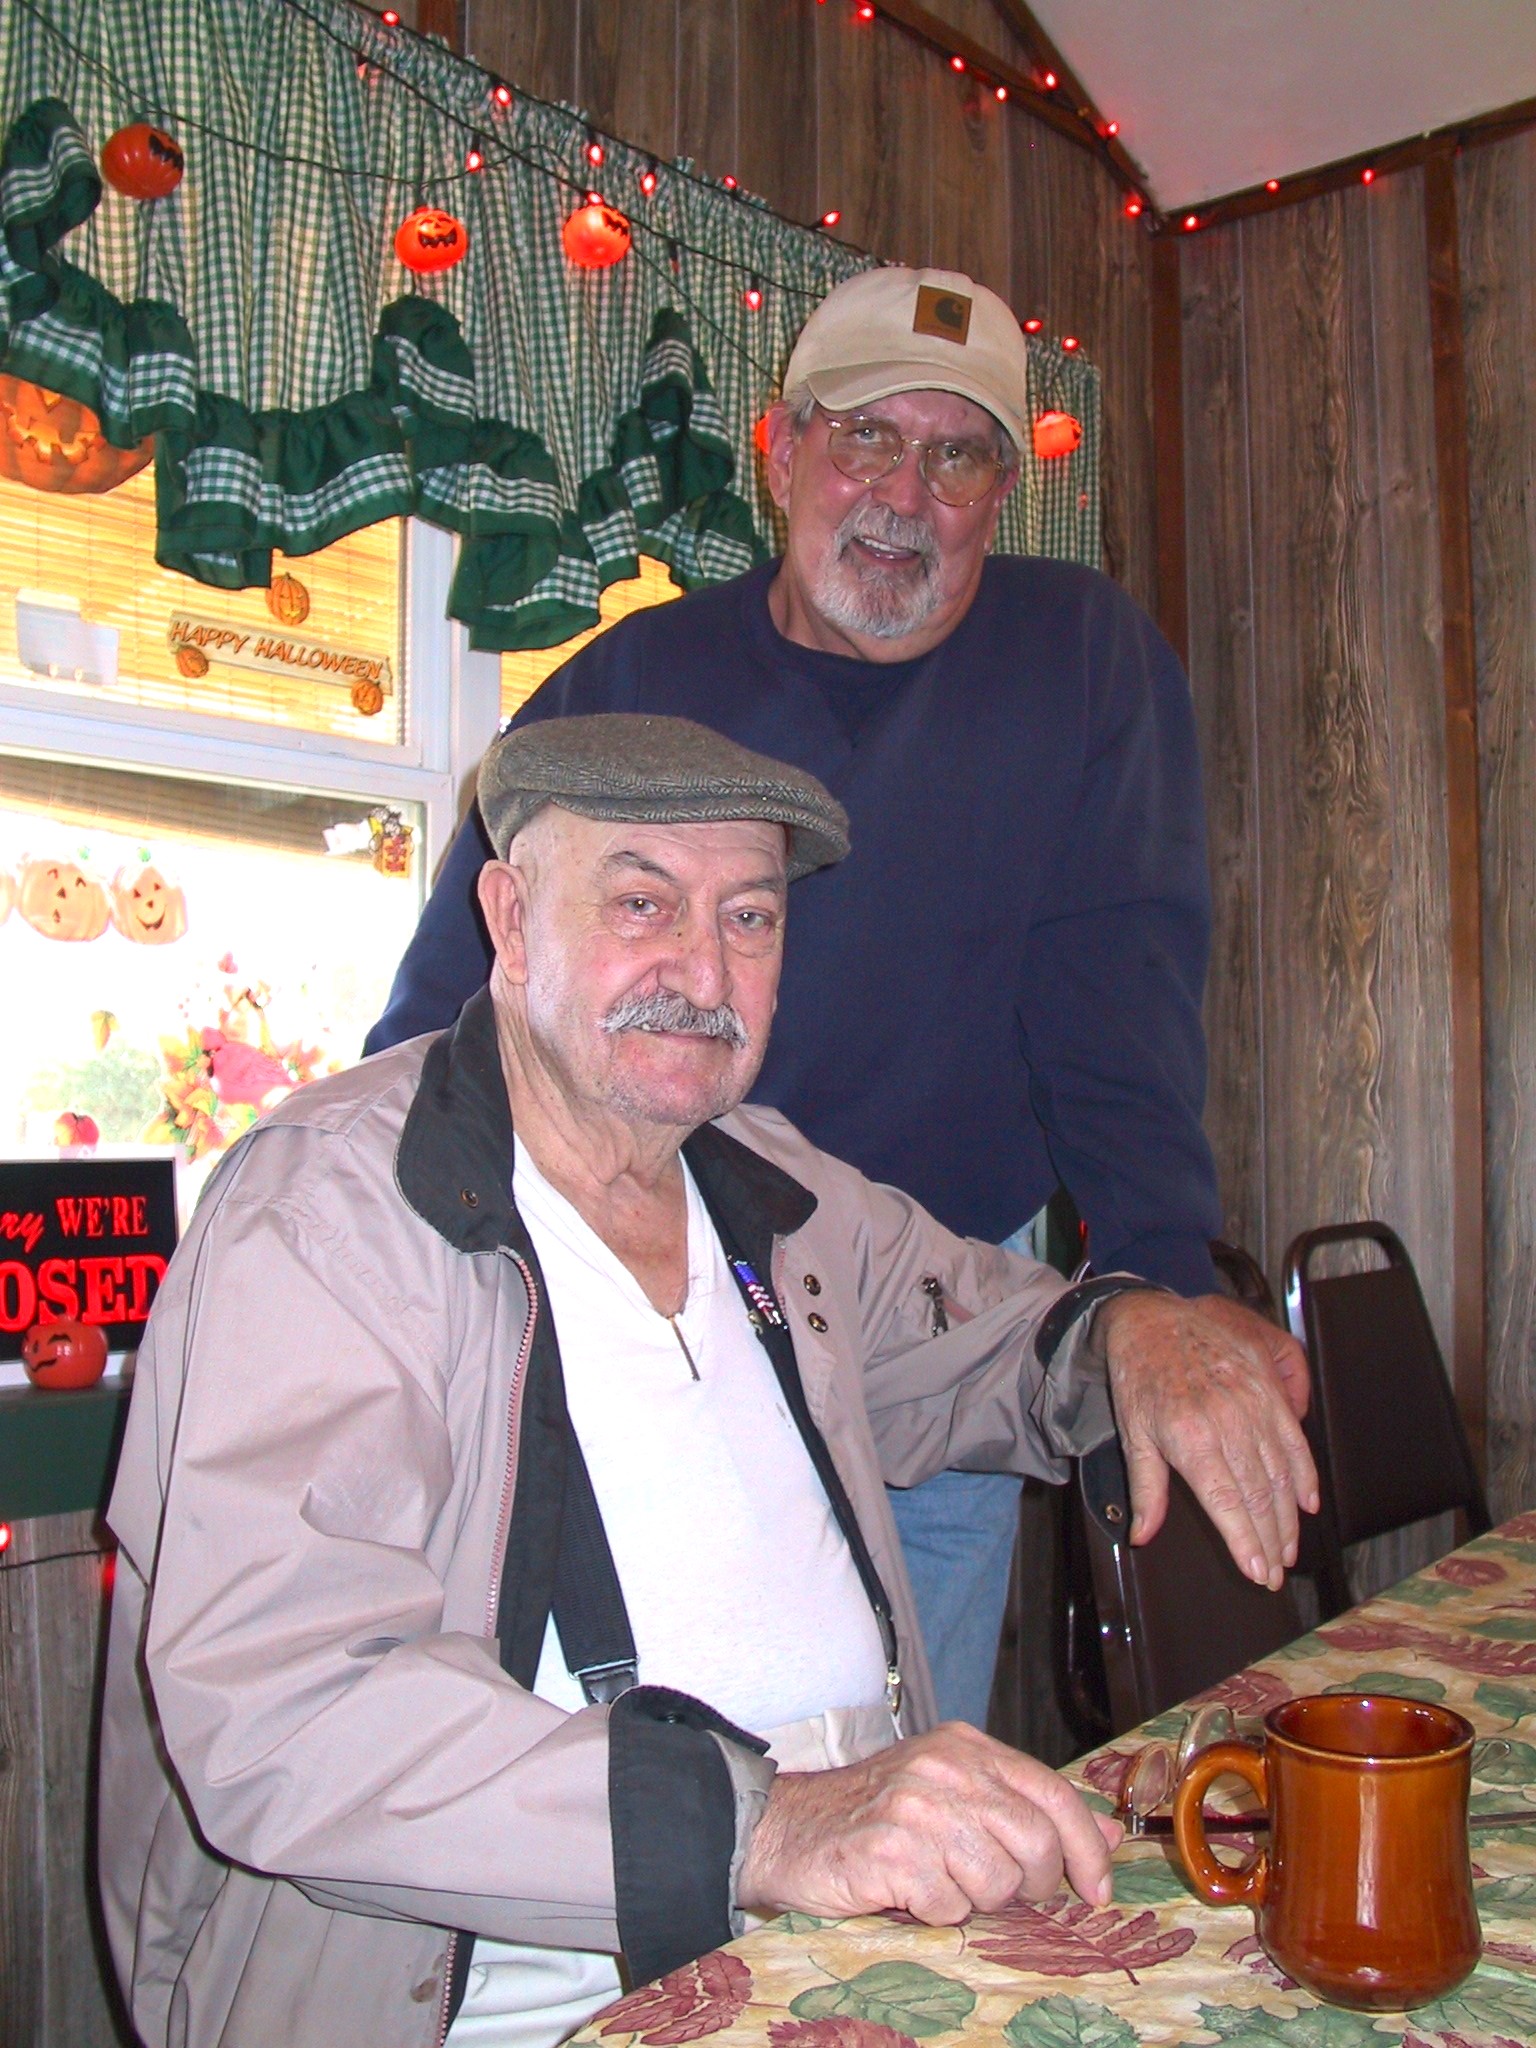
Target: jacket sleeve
{"type": "Point", "coordinates": [449, 956]}
{"type": "Point", "coordinates": [1114, 969]}
{"type": "Point", "coordinates": [324, 1725]}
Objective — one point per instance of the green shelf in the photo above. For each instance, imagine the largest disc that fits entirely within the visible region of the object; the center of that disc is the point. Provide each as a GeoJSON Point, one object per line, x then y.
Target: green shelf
{"type": "Point", "coordinates": [58, 1451]}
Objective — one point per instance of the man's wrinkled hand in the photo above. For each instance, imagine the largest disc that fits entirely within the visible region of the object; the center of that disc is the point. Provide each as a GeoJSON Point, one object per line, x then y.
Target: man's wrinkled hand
{"type": "Point", "coordinates": [1216, 1392]}
{"type": "Point", "coordinates": [938, 1826]}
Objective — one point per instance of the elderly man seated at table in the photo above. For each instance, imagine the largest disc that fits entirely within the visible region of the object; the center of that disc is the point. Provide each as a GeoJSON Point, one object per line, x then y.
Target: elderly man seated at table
{"type": "Point", "coordinates": [508, 1595]}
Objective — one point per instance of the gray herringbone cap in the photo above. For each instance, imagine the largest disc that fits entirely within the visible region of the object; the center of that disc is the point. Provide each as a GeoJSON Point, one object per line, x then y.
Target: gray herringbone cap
{"type": "Point", "coordinates": [657, 771]}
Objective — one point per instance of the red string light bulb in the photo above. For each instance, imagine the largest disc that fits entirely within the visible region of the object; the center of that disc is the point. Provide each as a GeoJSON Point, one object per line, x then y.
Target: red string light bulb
{"type": "Point", "coordinates": [957, 63]}
{"type": "Point", "coordinates": [752, 297]}
{"type": "Point", "coordinates": [648, 180]}
{"type": "Point", "coordinates": [1033, 326]}
{"type": "Point", "coordinates": [831, 217]}
{"type": "Point", "coordinates": [1070, 342]}
{"type": "Point", "coordinates": [502, 95]}
{"type": "Point", "coordinates": [1001, 91]}
{"type": "Point", "coordinates": [1132, 207]}
{"type": "Point", "coordinates": [474, 161]}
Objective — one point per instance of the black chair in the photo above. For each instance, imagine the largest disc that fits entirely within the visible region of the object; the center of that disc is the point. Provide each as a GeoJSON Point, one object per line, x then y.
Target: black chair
{"type": "Point", "coordinates": [1175, 1616]}
{"type": "Point", "coordinates": [1244, 1279]}
{"type": "Point", "coordinates": [1383, 1426]}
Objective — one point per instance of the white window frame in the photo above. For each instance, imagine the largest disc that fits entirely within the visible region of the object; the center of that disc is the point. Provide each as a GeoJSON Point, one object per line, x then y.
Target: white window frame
{"type": "Point", "coordinates": [453, 709]}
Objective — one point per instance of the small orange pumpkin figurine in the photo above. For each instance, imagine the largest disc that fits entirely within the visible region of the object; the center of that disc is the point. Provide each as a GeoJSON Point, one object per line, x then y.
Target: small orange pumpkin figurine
{"type": "Point", "coordinates": [191, 661]}
{"type": "Point", "coordinates": [429, 240]}
{"type": "Point", "coordinates": [1057, 433]}
{"type": "Point", "coordinates": [288, 600]}
{"type": "Point", "coordinates": [368, 698]}
{"type": "Point", "coordinates": [595, 236]}
{"type": "Point", "coordinates": [142, 162]}
{"type": "Point", "coordinates": [64, 1354]}
{"type": "Point", "coordinates": [145, 907]}
{"type": "Point", "coordinates": [61, 901]}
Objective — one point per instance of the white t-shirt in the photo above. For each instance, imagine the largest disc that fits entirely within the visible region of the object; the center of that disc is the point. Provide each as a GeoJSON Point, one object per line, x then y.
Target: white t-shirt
{"type": "Point", "coordinates": [740, 1587]}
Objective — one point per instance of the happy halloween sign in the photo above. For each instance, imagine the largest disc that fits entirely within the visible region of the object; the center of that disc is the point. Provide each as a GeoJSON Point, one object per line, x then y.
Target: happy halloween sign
{"type": "Point", "coordinates": [277, 652]}
{"type": "Point", "coordinates": [83, 1239]}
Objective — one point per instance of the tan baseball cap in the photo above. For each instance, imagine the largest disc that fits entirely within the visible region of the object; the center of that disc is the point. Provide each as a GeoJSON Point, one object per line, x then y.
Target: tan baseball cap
{"type": "Point", "coordinates": [891, 330]}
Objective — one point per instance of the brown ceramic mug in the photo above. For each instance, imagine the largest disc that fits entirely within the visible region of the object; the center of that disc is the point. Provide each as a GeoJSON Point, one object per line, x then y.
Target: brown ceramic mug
{"type": "Point", "coordinates": [1364, 1894]}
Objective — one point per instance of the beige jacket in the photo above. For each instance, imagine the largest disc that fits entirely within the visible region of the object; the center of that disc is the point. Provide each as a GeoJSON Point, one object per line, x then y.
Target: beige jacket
{"type": "Point", "coordinates": [313, 1762]}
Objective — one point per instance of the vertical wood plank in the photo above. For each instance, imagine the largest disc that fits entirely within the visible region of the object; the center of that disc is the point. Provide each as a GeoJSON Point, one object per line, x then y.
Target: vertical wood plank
{"type": "Point", "coordinates": [532, 45]}
{"type": "Point", "coordinates": [873, 143]}
{"type": "Point", "coordinates": [969, 143]}
{"type": "Point", "coordinates": [1497, 194]}
{"type": "Point", "coordinates": [1168, 444]}
{"type": "Point", "coordinates": [626, 70]}
{"type": "Point", "coordinates": [23, 1900]}
{"type": "Point", "coordinates": [1463, 818]}
{"type": "Point", "coordinates": [1220, 620]}
{"type": "Point", "coordinates": [776, 101]}
{"type": "Point", "coordinates": [706, 85]}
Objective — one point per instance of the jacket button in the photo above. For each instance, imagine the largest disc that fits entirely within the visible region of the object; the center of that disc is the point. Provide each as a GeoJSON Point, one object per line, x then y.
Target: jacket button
{"type": "Point", "coordinates": [469, 1198]}
{"type": "Point", "coordinates": [812, 1284]}
{"type": "Point", "coordinates": [817, 1323]}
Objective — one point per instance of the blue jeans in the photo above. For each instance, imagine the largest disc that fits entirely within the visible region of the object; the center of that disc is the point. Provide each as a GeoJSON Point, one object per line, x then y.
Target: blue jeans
{"type": "Point", "coordinates": [957, 1533]}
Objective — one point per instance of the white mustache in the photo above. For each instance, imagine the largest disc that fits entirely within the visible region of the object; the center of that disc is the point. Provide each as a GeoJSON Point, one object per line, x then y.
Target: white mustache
{"type": "Point", "coordinates": [665, 1010]}
{"type": "Point", "coordinates": [871, 521]}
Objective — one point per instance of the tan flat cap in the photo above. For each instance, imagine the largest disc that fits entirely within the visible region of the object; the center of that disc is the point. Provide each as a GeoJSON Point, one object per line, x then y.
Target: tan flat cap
{"type": "Point", "coordinates": [657, 771]}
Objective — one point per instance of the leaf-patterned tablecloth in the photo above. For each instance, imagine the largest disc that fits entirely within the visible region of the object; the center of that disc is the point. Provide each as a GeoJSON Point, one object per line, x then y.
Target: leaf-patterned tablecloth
{"type": "Point", "coordinates": [1159, 1966]}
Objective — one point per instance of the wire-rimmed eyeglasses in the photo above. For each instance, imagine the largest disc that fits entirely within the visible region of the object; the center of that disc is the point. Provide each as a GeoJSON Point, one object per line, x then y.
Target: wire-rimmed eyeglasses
{"type": "Point", "coordinates": [957, 470]}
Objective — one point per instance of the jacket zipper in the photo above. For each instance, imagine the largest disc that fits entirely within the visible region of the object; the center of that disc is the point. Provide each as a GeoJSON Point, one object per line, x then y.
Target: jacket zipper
{"type": "Point", "coordinates": [498, 1554]}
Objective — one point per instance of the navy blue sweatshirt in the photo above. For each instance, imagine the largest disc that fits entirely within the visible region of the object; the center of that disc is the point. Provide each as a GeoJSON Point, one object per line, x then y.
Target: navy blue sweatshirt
{"type": "Point", "coordinates": [1000, 987]}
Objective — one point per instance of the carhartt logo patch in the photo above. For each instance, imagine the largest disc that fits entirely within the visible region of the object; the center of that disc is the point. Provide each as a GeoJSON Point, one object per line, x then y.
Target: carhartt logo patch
{"type": "Point", "coordinates": [946, 314]}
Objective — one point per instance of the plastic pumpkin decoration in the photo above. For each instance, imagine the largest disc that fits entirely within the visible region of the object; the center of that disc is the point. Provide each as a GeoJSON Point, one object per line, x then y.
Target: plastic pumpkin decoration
{"type": "Point", "coordinates": [596, 236]}
{"type": "Point", "coordinates": [430, 240]}
{"type": "Point", "coordinates": [145, 907]}
{"type": "Point", "coordinates": [64, 1355]}
{"type": "Point", "coordinates": [1057, 433]}
{"type": "Point", "coordinates": [368, 698]}
{"type": "Point", "coordinates": [7, 893]}
{"type": "Point", "coordinates": [56, 444]}
{"type": "Point", "coordinates": [288, 600]}
{"type": "Point", "coordinates": [74, 1128]}
{"type": "Point", "coordinates": [142, 162]}
{"type": "Point", "coordinates": [61, 901]}
{"type": "Point", "coordinates": [191, 661]}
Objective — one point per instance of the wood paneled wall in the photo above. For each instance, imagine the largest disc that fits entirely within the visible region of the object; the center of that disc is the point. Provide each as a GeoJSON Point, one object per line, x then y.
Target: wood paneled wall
{"type": "Point", "coordinates": [813, 109]}
{"type": "Point", "coordinates": [1315, 609]}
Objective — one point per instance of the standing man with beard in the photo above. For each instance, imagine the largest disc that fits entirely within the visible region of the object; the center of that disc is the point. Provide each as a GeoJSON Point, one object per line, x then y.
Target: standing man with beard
{"type": "Point", "coordinates": [1000, 989]}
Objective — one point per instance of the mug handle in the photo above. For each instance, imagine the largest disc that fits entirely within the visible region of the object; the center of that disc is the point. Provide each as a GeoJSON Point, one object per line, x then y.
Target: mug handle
{"type": "Point", "coordinates": [1216, 1882]}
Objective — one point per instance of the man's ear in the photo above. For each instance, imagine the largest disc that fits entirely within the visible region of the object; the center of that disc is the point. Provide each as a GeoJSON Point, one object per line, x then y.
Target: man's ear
{"type": "Point", "coordinates": [781, 453]}
{"type": "Point", "coordinates": [503, 898]}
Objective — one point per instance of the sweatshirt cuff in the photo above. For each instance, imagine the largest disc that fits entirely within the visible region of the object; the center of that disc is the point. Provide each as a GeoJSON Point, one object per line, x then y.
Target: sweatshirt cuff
{"type": "Point", "coordinates": [679, 1825]}
{"type": "Point", "coordinates": [752, 1779]}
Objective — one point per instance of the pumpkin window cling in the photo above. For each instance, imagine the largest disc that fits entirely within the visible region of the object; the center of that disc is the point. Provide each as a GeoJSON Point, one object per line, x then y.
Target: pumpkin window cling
{"type": "Point", "coordinates": [288, 600]}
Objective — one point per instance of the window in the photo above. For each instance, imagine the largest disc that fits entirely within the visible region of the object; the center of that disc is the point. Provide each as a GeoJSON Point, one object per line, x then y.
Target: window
{"type": "Point", "coordinates": [219, 813]}
{"type": "Point", "coordinates": [521, 674]}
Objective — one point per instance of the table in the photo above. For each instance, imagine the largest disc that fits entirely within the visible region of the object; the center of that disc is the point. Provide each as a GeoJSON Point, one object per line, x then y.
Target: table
{"type": "Point", "coordinates": [1159, 1966]}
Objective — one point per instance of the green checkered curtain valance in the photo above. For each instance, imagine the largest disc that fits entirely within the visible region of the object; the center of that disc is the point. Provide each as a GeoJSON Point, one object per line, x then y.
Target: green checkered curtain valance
{"type": "Point", "coordinates": [303, 384]}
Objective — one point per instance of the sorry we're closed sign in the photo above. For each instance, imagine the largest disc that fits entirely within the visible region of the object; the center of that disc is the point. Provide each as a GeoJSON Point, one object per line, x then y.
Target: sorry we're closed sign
{"type": "Point", "coordinates": [84, 1240]}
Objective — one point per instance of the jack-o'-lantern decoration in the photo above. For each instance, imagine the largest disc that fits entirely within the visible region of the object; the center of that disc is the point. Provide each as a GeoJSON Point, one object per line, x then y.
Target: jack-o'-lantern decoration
{"type": "Point", "coordinates": [288, 600]}
{"type": "Point", "coordinates": [56, 444]}
{"type": "Point", "coordinates": [191, 661]}
{"type": "Point", "coordinates": [61, 901]}
{"type": "Point", "coordinates": [74, 1128]}
{"type": "Point", "coordinates": [368, 698]}
{"type": "Point", "coordinates": [596, 236]}
{"type": "Point", "coordinates": [142, 161]}
{"type": "Point", "coordinates": [1057, 433]}
{"type": "Point", "coordinates": [429, 240]}
{"type": "Point", "coordinates": [7, 893]}
{"type": "Point", "coordinates": [146, 909]}
{"type": "Point", "coordinates": [64, 1355]}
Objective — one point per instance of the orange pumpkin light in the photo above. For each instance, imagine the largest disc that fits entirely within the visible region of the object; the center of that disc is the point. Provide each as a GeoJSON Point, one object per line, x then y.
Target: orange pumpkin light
{"type": "Point", "coordinates": [56, 444]}
{"type": "Point", "coordinates": [429, 240]}
{"type": "Point", "coordinates": [596, 236]}
{"type": "Point", "coordinates": [1057, 433]}
{"type": "Point", "coordinates": [288, 600]}
{"type": "Point", "coordinates": [142, 162]}
{"type": "Point", "coordinates": [64, 1354]}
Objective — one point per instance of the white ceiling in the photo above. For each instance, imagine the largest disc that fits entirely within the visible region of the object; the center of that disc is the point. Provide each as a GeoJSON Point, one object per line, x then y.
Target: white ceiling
{"type": "Point", "coordinates": [1215, 95]}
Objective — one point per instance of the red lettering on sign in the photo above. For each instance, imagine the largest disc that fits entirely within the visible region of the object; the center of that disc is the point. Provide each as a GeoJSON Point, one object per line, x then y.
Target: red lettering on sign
{"type": "Point", "coordinates": [103, 1278]}
{"type": "Point", "coordinates": [18, 1296]}
{"type": "Point", "coordinates": [71, 1214]}
{"type": "Point", "coordinates": [56, 1287]}
{"type": "Point", "coordinates": [25, 1224]}
{"type": "Point", "coordinates": [143, 1268]}
{"type": "Point", "coordinates": [139, 1208]}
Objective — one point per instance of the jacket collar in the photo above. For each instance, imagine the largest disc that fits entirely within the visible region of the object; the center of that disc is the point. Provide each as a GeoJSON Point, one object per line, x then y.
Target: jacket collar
{"type": "Point", "coordinates": [454, 1161]}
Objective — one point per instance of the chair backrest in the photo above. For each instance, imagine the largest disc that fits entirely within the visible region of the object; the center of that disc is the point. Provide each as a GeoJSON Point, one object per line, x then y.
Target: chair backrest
{"type": "Point", "coordinates": [1175, 1615]}
{"type": "Point", "coordinates": [1384, 1430]}
{"type": "Point", "coordinates": [1244, 1278]}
